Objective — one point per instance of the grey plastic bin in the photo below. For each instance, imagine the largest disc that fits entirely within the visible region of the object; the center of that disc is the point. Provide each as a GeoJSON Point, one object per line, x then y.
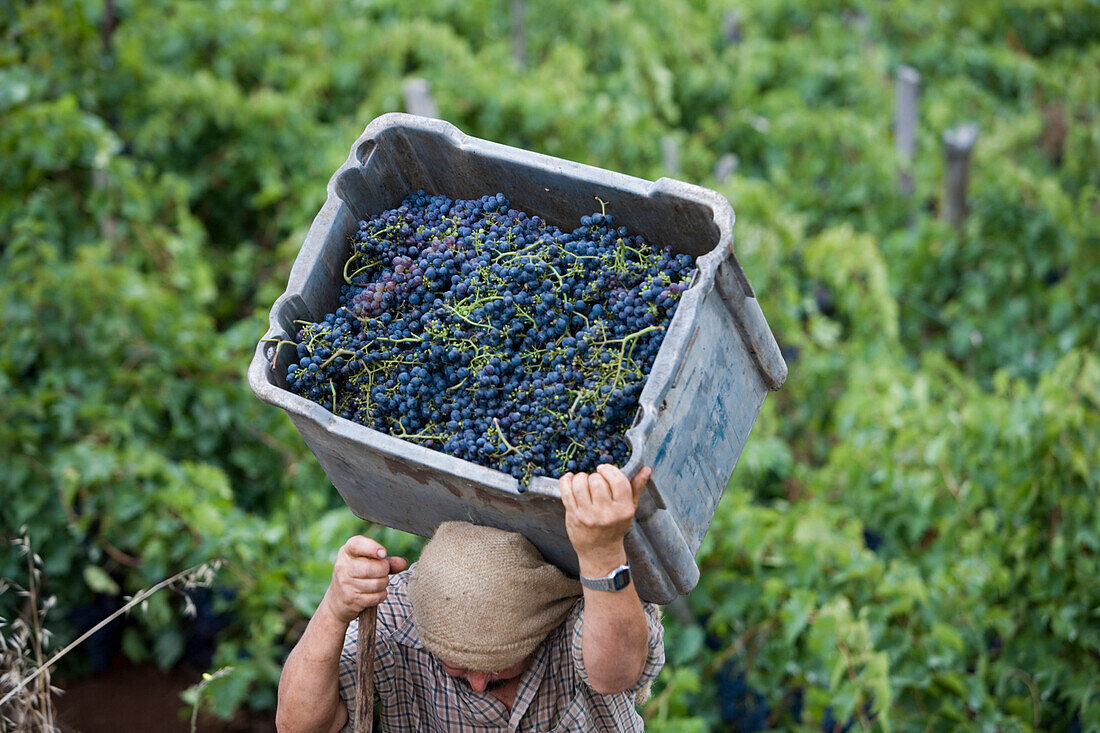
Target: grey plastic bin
{"type": "Point", "coordinates": [716, 364]}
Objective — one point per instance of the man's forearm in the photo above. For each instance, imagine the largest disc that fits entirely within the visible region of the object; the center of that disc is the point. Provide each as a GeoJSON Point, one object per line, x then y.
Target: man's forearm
{"type": "Point", "coordinates": [309, 694]}
{"type": "Point", "coordinates": [615, 633]}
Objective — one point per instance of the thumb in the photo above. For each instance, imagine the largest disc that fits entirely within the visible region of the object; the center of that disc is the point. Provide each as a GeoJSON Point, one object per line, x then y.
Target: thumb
{"type": "Point", "coordinates": [639, 481]}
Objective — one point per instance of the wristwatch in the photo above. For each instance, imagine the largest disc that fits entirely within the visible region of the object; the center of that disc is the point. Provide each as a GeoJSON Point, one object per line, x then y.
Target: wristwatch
{"type": "Point", "coordinates": [617, 579]}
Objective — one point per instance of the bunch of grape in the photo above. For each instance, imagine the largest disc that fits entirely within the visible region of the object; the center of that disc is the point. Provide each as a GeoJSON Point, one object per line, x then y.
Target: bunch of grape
{"type": "Point", "coordinates": [477, 330]}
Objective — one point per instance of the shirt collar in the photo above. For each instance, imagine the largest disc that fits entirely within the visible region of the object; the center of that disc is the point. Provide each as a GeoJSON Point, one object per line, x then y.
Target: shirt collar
{"type": "Point", "coordinates": [406, 634]}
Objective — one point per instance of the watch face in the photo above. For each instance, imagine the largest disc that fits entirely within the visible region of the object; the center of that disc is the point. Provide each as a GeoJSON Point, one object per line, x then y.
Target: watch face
{"type": "Point", "coordinates": [621, 579]}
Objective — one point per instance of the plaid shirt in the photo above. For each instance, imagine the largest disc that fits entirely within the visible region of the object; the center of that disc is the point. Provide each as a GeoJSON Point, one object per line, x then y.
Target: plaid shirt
{"type": "Point", "coordinates": [415, 694]}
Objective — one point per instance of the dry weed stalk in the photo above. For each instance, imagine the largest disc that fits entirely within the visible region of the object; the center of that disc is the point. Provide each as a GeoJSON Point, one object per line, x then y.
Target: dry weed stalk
{"type": "Point", "coordinates": [22, 642]}
{"type": "Point", "coordinates": [26, 695]}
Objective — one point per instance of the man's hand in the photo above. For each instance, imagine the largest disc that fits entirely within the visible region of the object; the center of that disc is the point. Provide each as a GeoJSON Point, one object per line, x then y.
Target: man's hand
{"type": "Point", "coordinates": [599, 508]}
{"type": "Point", "coordinates": [359, 578]}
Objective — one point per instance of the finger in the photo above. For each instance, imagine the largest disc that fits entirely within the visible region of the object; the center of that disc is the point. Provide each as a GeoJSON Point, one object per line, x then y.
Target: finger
{"type": "Point", "coordinates": [367, 586]}
{"type": "Point", "coordinates": [363, 601]}
{"type": "Point", "coordinates": [364, 568]}
{"type": "Point", "coordinates": [398, 564]}
{"type": "Point", "coordinates": [565, 488]}
{"type": "Point", "coordinates": [600, 489]}
{"type": "Point", "coordinates": [360, 546]}
{"type": "Point", "coordinates": [581, 492]}
{"type": "Point", "coordinates": [639, 481]}
{"type": "Point", "coordinates": [617, 482]}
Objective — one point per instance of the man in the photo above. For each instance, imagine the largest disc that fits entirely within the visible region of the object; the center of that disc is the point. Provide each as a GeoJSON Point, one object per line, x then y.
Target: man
{"type": "Point", "coordinates": [482, 634]}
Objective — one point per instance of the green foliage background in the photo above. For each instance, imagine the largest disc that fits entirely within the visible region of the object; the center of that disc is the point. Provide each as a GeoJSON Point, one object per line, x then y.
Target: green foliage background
{"type": "Point", "coordinates": [158, 174]}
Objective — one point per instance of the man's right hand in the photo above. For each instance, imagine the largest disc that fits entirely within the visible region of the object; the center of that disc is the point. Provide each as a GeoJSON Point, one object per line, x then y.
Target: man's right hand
{"type": "Point", "coordinates": [309, 690]}
{"type": "Point", "coordinates": [359, 578]}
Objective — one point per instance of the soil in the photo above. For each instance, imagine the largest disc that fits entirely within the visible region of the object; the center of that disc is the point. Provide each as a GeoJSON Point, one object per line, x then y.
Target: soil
{"type": "Point", "coordinates": [142, 699]}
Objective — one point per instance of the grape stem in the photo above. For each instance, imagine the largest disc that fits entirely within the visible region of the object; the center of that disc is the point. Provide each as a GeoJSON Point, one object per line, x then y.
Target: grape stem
{"type": "Point", "coordinates": [354, 256]}
{"type": "Point", "coordinates": [630, 336]}
{"type": "Point", "coordinates": [472, 323]}
{"type": "Point", "coordinates": [338, 352]}
{"type": "Point", "coordinates": [511, 448]}
{"type": "Point", "coordinates": [417, 436]}
{"type": "Point", "coordinates": [278, 343]}
{"type": "Point", "coordinates": [573, 407]}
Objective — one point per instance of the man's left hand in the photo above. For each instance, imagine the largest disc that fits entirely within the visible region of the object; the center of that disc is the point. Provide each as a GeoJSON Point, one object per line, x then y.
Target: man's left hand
{"type": "Point", "coordinates": [599, 508]}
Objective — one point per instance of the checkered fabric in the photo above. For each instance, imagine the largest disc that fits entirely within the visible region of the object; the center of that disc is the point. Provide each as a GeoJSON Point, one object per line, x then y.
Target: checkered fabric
{"type": "Point", "coordinates": [415, 694]}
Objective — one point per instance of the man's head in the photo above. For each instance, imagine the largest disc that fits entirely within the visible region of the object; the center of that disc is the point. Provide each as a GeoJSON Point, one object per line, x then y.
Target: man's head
{"type": "Point", "coordinates": [484, 600]}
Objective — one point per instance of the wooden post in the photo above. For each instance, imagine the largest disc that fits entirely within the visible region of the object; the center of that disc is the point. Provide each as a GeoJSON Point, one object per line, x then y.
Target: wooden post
{"type": "Point", "coordinates": [107, 24]}
{"type": "Point", "coordinates": [957, 143]}
{"type": "Point", "coordinates": [726, 167]}
{"type": "Point", "coordinates": [108, 228]}
{"type": "Point", "coordinates": [1055, 129]}
{"type": "Point", "coordinates": [364, 671]}
{"type": "Point", "coordinates": [670, 152]}
{"type": "Point", "coordinates": [731, 26]}
{"type": "Point", "coordinates": [418, 98]}
{"type": "Point", "coordinates": [519, 32]}
{"type": "Point", "coordinates": [907, 90]}
{"type": "Point", "coordinates": [859, 21]}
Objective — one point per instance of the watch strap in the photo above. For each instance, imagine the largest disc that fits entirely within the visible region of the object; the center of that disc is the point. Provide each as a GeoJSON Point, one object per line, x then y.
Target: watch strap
{"type": "Point", "coordinates": [616, 580]}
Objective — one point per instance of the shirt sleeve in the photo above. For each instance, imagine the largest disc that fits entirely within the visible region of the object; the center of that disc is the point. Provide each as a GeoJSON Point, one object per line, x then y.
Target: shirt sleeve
{"type": "Point", "coordinates": [655, 660]}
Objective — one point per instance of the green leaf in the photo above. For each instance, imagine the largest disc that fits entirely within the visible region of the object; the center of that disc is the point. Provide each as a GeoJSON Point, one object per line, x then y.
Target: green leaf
{"type": "Point", "coordinates": [946, 635]}
{"type": "Point", "coordinates": [168, 648]}
{"type": "Point", "coordinates": [134, 646]}
{"type": "Point", "coordinates": [99, 581]}
{"type": "Point", "coordinates": [952, 682]}
{"type": "Point", "coordinates": [795, 613]}
{"type": "Point", "coordinates": [688, 646]}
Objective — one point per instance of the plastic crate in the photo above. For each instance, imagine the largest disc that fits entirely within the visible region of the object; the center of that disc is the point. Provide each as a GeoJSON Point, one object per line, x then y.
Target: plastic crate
{"type": "Point", "coordinates": [716, 364]}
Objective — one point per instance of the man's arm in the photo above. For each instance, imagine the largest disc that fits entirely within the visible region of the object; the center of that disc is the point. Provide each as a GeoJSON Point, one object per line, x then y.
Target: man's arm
{"type": "Point", "coordinates": [599, 509]}
{"type": "Point", "coordinates": [309, 694]}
